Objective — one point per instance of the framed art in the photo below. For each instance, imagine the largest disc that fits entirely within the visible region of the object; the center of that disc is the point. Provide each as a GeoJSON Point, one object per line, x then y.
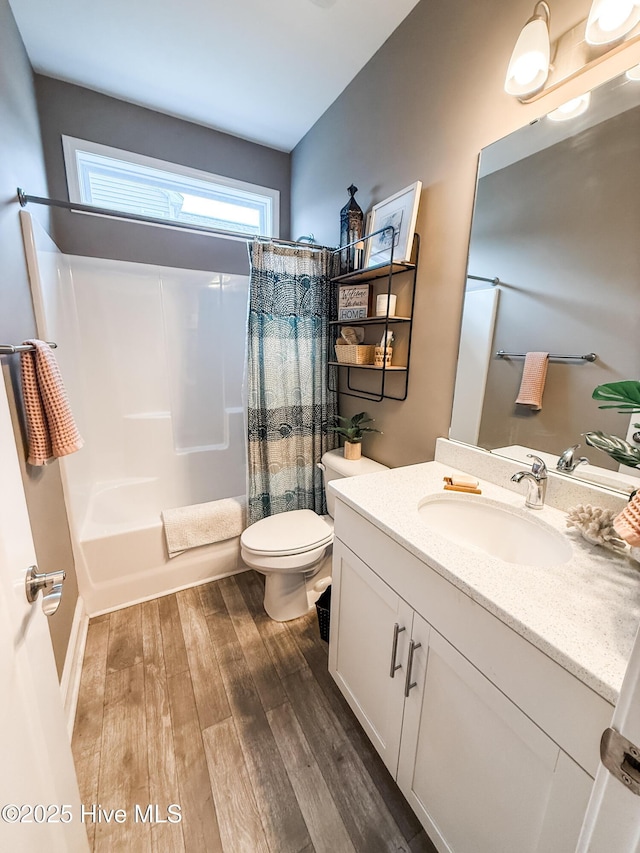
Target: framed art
{"type": "Point", "coordinates": [399, 211]}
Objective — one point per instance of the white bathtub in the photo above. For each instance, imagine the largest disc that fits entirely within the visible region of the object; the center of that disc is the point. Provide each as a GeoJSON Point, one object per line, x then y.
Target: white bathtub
{"type": "Point", "coordinates": [123, 553]}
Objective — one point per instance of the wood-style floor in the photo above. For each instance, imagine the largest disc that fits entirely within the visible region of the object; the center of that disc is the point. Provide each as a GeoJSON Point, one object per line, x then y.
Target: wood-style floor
{"type": "Point", "coordinates": [200, 699]}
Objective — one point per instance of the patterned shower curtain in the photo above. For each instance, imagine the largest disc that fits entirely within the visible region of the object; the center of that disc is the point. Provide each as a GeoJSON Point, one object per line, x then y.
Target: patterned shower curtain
{"type": "Point", "coordinates": [289, 402]}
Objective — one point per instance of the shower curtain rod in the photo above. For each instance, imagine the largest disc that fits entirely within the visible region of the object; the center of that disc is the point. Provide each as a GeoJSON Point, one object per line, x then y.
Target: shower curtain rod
{"type": "Point", "coordinates": [25, 199]}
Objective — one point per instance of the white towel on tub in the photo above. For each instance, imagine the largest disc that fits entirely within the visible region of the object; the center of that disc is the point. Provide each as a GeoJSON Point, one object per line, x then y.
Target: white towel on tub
{"type": "Point", "coordinates": [201, 524]}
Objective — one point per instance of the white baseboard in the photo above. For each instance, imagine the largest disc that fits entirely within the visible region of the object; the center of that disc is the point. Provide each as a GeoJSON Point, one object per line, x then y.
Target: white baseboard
{"type": "Point", "coordinates": [72, 670]}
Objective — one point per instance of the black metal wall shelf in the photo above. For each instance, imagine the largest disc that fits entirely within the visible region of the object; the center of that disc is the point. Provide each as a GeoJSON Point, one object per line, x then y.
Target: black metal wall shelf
{"type": "Point", "coordinates": [372, 273]}
{"type": "Point", "coordinates": [400, 373]}
{"type": "Point", "coordinates": [372, 321]}
{"type": "Point", "coordinates": [390, 369]}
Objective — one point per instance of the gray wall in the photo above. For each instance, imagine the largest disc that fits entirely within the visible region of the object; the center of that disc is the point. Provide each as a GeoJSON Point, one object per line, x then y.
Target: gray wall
{"type": "Point", "coordinates": [422, 108]}
{"type": "Point", "coordinates": [74, 111]}
{"type": "Point", "coordinates": [21, 164]}
{"type": "Point", "coordinates": [560, 229]}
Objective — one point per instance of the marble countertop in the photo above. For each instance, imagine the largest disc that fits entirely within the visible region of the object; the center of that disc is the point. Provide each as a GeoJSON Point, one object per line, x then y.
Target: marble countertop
{"type": "Point", "coordinates": [583, 614]}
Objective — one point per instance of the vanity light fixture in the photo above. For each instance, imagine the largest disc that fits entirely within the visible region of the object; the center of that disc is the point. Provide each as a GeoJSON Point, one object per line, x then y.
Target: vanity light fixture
{"type": "Point", "coordinates": [633, 73]}
{"type": "Point", "coordinates": [529, 64]}
{"type": "Point", "coordinates": [610, 20]}
{"type": "Point", "coordinates": [573, 108]}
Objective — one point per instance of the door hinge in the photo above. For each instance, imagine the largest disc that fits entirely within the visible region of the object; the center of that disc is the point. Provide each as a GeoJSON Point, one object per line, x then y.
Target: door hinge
{"type": "Point", "coordinates": [621, 758]}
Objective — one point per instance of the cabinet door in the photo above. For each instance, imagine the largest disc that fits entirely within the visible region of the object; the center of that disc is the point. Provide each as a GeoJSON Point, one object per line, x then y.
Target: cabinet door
{"type": "Point", "coordinates": [480, 774]}
{"type": "Point", "coordinates": [364, 615]}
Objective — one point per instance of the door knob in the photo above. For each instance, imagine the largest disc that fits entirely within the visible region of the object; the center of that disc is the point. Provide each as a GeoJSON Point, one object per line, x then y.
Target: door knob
{"type": "Point", "coordinates": [51, 586]}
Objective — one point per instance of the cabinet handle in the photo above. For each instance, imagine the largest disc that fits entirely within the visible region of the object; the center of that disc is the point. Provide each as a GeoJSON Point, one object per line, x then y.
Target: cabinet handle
{"type": "Point", "coordinates": [408, 685]}
{"type": "Point", "coordinates": [394, 650]}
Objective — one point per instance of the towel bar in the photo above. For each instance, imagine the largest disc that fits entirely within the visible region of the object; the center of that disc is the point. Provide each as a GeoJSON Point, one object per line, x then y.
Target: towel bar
{"type": "Point", "coordinates": [494, 281]}
{"type": "Point", "coordinates": [590, 356]}
{"type": "Point", "coordinates": [10, 349]}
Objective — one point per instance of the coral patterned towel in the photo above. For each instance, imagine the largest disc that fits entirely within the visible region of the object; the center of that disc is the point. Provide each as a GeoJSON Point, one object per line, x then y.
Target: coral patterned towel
{"type": "Point", "coordinates": [51, 428]}
{"type": "Point", "coordinates": [627, 524]}
{"type": "Point", "coordinates": [534, 375]}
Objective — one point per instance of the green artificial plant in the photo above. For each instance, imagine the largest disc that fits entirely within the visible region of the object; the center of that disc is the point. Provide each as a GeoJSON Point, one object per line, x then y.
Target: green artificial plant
{"type": "Point", "coordinates": [617, 448]}
{"type": "Point", "coordinates": [353, 429]}
{"type": "Point", "coordinates": [625, 397]}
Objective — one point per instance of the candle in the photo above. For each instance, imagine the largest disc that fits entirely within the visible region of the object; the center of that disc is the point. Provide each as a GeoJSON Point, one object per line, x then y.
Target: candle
{"type": "Point", "coordinates": [384, 300]}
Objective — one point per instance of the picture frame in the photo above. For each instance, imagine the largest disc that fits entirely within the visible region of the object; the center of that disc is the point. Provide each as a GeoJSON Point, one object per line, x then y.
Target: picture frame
{"type": "Point", "coordinates": [400, 211]}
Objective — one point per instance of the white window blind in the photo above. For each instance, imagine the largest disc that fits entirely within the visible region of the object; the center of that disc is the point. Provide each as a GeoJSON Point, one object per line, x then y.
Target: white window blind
{"type": "Point", "coordinates": [132, 183]}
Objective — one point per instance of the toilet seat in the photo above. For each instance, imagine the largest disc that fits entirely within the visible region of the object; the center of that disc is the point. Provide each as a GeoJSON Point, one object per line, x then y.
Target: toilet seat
{"type": "Point", "coordinates": [283, 564]}
{"type": "Point", "coordinates": [287, 534]}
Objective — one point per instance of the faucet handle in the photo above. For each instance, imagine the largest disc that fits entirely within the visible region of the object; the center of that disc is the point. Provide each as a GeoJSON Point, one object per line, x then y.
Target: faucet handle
{"type": "Point", "coordinates": [538, 467]}
{"type": "Point", "coordinates": [567, 460]}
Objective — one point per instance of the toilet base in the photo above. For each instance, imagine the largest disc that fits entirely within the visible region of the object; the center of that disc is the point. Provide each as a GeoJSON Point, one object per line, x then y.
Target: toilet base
{"type": "Point", "coordinates": [285, 596]}
{"type": "Point", "coordinates": [290, 595]}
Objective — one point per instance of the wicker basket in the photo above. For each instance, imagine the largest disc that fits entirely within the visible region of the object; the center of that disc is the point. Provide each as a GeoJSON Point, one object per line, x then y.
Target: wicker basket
{"type": "Point", "coordinates": [323, 609]}
{"type": "Point", "coordinates": [355, 353]}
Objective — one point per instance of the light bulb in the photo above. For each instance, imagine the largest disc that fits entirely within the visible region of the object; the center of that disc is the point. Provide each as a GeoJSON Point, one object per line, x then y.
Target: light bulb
{"type": "Point", "coordinates": [634, 73]}
{"type": "Point", "coordinates": [614, 14]}
{"type": "Point", "coordinates": [573, 108]}
{"type": "Point", "coordinates": [527, 67]}
{"type": "Point", "coordinates": [610, 20]}
{"type": "Point", "coordinates": [529, 63]}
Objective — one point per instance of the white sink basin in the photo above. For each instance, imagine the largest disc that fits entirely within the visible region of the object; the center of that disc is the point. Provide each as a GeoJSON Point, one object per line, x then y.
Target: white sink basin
{"type": "Point", "coordinates": [515, 536]}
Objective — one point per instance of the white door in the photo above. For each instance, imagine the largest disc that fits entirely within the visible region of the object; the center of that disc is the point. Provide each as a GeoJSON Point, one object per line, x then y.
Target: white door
{"type": "Point", "coordinates": [474, 358]}
{"type": "Point", "coordinates": [370, 631]}
{"type": "Point", "coordinates": [481, 776]}
{"type": "Point", "coordinates": [39, 799]}
{"type": "Point", "coordinates": [612, 822]}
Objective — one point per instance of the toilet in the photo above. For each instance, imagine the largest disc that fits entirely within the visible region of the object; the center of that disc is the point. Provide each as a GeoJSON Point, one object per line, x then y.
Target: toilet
{"type": "Point", "coordinates": [293, 549]}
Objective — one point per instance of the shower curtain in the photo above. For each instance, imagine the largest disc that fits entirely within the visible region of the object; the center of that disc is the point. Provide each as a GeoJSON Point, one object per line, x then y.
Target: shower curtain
{"type": "Point", "coordinates": [290, 406]}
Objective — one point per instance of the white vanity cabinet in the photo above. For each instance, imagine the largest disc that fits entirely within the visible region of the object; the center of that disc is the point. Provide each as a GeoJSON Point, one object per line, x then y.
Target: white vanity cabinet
{"type": "Point", "coordinates": [473, 761]}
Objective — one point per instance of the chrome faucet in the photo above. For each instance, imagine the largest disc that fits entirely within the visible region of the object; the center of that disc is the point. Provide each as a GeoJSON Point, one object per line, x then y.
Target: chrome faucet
{"type": "Point", "coordinates": [568, 461]}
{"type": "Point", "coordinates": [536, 482]}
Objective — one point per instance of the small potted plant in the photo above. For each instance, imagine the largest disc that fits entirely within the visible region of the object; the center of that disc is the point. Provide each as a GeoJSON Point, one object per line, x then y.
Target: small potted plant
{"type": "Point", "coordinates": [352, 430]}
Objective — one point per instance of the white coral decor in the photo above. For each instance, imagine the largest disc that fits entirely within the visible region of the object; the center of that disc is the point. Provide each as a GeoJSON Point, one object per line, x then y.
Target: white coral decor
{"type": "Point", "coordinates": [596, 525]}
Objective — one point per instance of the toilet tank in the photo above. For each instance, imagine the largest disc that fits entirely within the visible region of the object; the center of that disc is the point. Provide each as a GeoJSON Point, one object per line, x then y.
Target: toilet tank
{"type": "Point", "coordinates": [335, 466]}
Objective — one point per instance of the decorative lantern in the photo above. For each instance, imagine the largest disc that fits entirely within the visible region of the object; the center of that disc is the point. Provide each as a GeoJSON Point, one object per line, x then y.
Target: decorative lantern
{"type": "Point", "coordinates": [351, 229]}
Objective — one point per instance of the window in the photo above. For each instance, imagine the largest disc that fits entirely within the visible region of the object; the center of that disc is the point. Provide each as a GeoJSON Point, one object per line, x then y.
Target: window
{"type": "Point", "coordinates": [131, 183]}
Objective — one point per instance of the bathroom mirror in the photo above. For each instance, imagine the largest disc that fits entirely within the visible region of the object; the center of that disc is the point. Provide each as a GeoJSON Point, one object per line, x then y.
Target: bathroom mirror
{"type": "Point", "coordinates": [554, 266]}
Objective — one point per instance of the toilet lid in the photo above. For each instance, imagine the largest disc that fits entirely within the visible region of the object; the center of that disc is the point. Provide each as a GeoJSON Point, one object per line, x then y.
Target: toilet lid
{"type": "Point", "coordinates": [287, 533]}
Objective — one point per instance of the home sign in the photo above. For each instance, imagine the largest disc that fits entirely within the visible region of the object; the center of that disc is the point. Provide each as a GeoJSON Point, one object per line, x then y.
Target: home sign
{"type": "Point", "coordinates": [353, 302]}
